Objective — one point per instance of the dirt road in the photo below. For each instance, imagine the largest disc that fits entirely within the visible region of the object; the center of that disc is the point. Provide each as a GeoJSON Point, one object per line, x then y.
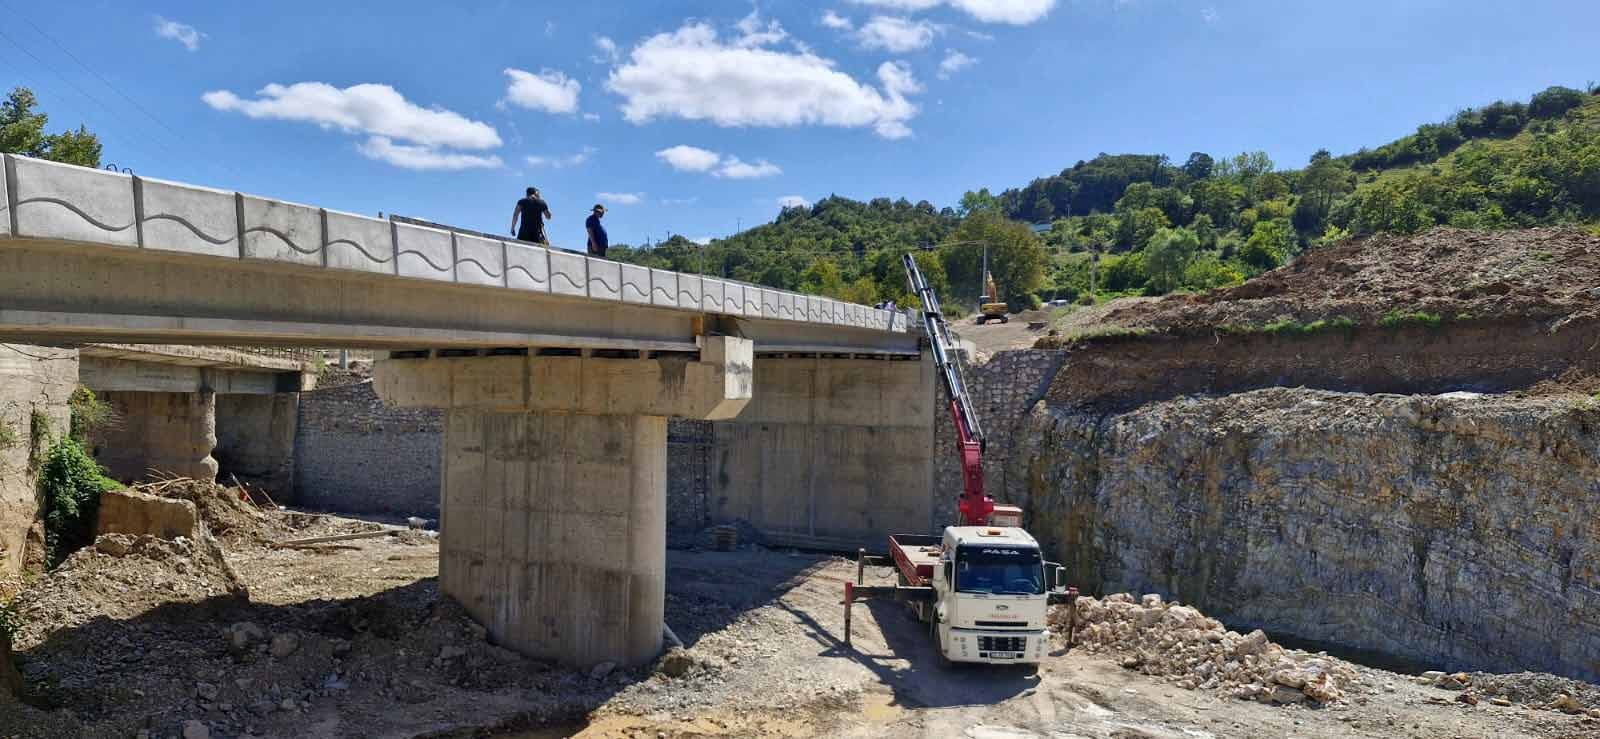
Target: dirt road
{"type": "Point", "coordinates": [354, 640]}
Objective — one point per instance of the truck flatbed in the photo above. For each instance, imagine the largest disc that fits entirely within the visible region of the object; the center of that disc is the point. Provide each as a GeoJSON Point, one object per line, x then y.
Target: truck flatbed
{"type": "Point", "coordinates": [915, 556]}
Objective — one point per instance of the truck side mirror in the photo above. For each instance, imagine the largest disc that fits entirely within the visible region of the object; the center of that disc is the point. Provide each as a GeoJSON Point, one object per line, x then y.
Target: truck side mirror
{"type": "Point", "coordinates": [1061, 578]}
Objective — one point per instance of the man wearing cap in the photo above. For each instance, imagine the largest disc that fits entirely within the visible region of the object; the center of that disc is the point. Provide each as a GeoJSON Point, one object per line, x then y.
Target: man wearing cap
{"type": "Point", "coordinates": [597, 233]}
{"type": "Point", "coordinates": [532, 211]}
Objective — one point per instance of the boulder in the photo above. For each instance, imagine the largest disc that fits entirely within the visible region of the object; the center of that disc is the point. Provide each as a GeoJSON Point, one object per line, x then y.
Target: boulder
{"type": "Point", "coordinates": [142, 514]}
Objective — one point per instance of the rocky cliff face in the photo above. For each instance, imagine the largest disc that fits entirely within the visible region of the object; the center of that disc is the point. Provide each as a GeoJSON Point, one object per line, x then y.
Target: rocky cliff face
{"type": "Point", "coordinates": [1460, 530]}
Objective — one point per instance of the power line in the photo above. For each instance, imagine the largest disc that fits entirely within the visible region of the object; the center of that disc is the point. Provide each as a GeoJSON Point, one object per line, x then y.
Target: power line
{"type": "Point", "coordinates": [74, 86]}
{"type": "Point", "coordinates": [90, 70]}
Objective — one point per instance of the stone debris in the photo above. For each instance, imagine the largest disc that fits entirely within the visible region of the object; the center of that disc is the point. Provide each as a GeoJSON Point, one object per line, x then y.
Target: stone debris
{"type": "Point", "coordinates": [1193, 651]}
{"type": "Point", "coordinates": [284, 645]}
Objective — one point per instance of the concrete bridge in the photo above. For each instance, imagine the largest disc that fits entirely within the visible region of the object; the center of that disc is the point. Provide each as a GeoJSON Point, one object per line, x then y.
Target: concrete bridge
{"type": "Point", "coordinates": [557, 372]}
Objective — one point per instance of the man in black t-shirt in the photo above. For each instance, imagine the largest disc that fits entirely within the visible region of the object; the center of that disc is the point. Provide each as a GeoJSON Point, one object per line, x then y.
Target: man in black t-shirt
{"type": "Point", "coordinates": [532, 211]}
{"type": "Point", "coordinates": [598, 241]}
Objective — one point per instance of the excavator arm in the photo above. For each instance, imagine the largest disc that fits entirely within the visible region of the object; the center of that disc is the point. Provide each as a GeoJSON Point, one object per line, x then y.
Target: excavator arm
{"type": "Point", "coordinates": [976, 506]}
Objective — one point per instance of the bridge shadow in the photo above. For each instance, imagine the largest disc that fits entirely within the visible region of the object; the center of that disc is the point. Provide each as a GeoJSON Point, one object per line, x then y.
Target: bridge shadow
{"type": "Point", "coordinates": [908, 662]}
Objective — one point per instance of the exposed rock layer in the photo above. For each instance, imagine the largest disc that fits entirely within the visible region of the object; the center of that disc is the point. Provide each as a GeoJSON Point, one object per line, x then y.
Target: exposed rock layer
{"type": "Point", "coordinates": [1459, 530]}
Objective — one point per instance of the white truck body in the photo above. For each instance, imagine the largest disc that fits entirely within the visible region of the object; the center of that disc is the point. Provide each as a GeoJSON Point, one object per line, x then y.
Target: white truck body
{"type": "Point", "coordinates": [992, 590]}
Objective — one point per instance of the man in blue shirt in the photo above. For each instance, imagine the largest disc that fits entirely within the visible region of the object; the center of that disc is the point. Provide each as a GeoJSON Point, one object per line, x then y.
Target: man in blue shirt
{"type": "Point", "coordinates": [597, 233]}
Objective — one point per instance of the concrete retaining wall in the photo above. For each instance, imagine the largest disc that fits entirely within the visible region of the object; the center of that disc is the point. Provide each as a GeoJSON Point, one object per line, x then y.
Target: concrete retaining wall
{"type": "Point", "coordinates": [32, 379]}
{"type": "Point", "coordinates": [255, 441]}
{"type": "Point", "coordinates": [353, 454]}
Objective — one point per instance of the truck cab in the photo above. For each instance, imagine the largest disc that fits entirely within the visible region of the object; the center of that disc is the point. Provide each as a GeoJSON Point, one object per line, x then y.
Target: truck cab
{"type": "Point", "coordinates": [992, 589]}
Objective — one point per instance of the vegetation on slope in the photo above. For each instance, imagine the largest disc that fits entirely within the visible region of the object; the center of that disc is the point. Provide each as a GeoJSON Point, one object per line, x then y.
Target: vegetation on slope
{"type": "Point", "coordinates": [1140, 224]}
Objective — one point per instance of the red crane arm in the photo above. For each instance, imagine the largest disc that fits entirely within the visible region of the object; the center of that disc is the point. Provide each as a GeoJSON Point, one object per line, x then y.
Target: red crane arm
{"type": "Point", "coordinates": [976, 506]}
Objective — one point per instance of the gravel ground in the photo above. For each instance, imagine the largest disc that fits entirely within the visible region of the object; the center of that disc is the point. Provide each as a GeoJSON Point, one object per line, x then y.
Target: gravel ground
{"type": "Point", "coordinates": [354, 640]}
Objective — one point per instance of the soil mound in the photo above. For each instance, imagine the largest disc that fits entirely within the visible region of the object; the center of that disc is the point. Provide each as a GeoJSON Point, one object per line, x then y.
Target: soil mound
{"type": "Point", "coordinates": [1453, 274]}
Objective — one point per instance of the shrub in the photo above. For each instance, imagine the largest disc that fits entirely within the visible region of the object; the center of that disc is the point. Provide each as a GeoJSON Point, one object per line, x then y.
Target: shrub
{"type": "Point", "coordinates": [8, 436]}
{"type": "Point", "coordinates": [70, 484]}
{"type": "Point", "coordinates": [89, 413]}
{"type": "Point", "coordinates": [1396, 319]}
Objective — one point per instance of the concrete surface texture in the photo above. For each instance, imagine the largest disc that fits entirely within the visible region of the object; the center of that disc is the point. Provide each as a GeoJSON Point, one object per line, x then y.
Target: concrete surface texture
{"type": "Point", "coordinates": [354, 454]}
{"type": "Point", "coordinates": [214, 266]}
{"type": "Point", "coordinates": [172, 433]}
{"type": "Point", "coordinates": [554, 531]}
{"type": "Point", "coordinates": [256, 441]}
{"type": "Point", "coordinates": [715, 385]}
{"type": "Point", "coordinates": [829, 451]}
{"type": "Point", "coordinates": [35, 384]}
{"type": "Point", "coordinates": [143, 514]}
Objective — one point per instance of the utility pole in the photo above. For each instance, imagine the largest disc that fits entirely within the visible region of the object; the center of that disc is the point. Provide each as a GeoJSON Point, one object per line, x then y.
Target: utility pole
{"type": "Point", "coordinates": [983, 277]}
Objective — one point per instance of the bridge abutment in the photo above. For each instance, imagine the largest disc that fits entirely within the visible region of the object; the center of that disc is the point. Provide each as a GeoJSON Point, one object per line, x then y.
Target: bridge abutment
{"type": "Point", "coordinates": [553, 500]}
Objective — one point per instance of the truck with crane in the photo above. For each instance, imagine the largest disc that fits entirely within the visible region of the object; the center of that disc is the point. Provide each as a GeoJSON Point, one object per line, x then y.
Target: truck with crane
{"type": "Point", "coordinates": [983, 586]}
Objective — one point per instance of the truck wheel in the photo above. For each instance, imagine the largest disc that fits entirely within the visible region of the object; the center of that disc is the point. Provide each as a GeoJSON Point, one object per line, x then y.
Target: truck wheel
{"type": "Point", "coordinates": [1005, 319]}
{"type": "Point", "coordinates": [982, 320]}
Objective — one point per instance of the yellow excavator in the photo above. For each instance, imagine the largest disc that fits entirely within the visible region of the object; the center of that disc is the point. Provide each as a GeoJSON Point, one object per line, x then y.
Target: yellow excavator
{"type": "Point", "coordinates": [990, 308]}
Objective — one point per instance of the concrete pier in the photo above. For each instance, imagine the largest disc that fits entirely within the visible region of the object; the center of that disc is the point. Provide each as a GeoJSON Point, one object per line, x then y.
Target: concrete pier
{"type": "Point", "coordinates": [170, 433]}
{"type": "Point", "coordinates": [555, 531]}
{"type": "Point", "coordinates": [553, 525]}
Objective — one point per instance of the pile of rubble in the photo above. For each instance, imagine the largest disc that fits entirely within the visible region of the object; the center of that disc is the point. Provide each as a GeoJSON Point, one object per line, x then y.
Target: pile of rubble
{"type": "Point", "coordinates": [1534, 689]}
{"type": "Point", "coordinates": [1181, 644]}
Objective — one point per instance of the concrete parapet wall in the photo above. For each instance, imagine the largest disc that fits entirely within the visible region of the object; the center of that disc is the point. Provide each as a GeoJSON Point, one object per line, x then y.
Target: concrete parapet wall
{"type": "Point", "coordinates": [49, 201]}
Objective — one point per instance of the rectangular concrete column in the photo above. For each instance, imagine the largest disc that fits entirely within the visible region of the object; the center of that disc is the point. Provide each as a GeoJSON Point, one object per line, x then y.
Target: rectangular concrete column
{"type": "Point", "coordinates": [172, 433]}
{"type": "Point", "coordinates": [555, 531]}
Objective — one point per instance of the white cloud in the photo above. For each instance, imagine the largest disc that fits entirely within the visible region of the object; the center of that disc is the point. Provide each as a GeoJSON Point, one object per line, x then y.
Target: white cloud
{"type": "Point", "coordinates": [695, 159]}
{"type": "Point", "coordinates": [734, 169]}
{"type": "Point", "coordinates": [422, 158]}
{"type": "Point", "coordinates": [954, 61]}
{"type": "Point", "coordinates": [1209, 15]}
{"type": "Point", "coordinates": [793, 201]}
{"type": "Point", "coordinates": [701, 240]}
{"type": "Point", "coordinates": [895, 35]}
{"type": "Point", "coordinates": [837, 22]}
{"type": "Point", "coordinates": [754, 33]}
{"type": "Point", "coordinates": [549, 90]}
{"type": "Point", "coordinates": [679, 201]}
{"type": "Point", "coordinates": [182, 33]}
{"type": "Point", "coordinates": [591, 117]}
{"type": "Point", "coordinates": [621, 198]}
{"type": "Point", "coordinates": [608, 53]}
{"type": "Point", "coordinates": [692, 74]}
{"type": "Point", "coordinates": [1014, 12]}
{"type": "Point", "coordinates": [689, 158]}
{"type": "Point", "coordinates": [372, 109]}
{"type": "Point", "coordinates": [558, 162]}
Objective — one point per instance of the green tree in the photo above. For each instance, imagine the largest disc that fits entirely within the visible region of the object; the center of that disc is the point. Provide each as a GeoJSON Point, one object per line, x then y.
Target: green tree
{"type": "Point", "coordinates": [979, 202]}
{"type": "Point", "coordinates": [22, 131]}
{"type": "Point", "coordinates": [1199, 165]}
{"type": "Point", "coordinates": [1269, 244]}
{"type": "Point", "coordinates": [1016, 257]}
{"type": "Point", "coordinates": [1168, 256]}
{"type": "Point", "coordinates": [1135, 228]}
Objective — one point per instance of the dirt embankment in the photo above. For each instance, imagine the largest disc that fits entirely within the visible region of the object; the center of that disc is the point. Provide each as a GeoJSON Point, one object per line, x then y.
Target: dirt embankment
{"type": "Point", "coordinates": [1441, 311]}
{"type": "Point", "coordinates": [1457, 275]}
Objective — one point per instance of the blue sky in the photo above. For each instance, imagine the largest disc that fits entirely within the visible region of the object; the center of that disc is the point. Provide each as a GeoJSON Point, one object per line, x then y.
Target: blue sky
{"type": "Point", "coordinates": [697, 116]}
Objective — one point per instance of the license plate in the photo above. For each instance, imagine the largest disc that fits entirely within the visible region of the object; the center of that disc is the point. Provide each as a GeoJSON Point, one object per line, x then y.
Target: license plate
{"type": "Point", "coordinates": [1004, 655]}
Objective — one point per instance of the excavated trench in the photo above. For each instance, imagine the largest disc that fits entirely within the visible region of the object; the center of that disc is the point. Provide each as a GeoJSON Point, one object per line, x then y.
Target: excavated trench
{"type": "Point", "coordinates": [1428, 494]}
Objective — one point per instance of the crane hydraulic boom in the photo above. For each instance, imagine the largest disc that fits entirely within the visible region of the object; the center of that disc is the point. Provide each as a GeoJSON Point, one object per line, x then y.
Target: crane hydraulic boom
{"type": "Point", "coordinates": [976, 506]}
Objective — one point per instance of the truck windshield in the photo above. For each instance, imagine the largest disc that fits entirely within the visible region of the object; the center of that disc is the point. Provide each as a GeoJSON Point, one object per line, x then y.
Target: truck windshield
{"type": "Point", "coordinates": [999, 570]}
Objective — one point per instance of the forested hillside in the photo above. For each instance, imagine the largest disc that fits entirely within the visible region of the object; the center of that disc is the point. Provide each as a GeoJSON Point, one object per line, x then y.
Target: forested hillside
{"type": "Point", "coordinates": [1140, 223]}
